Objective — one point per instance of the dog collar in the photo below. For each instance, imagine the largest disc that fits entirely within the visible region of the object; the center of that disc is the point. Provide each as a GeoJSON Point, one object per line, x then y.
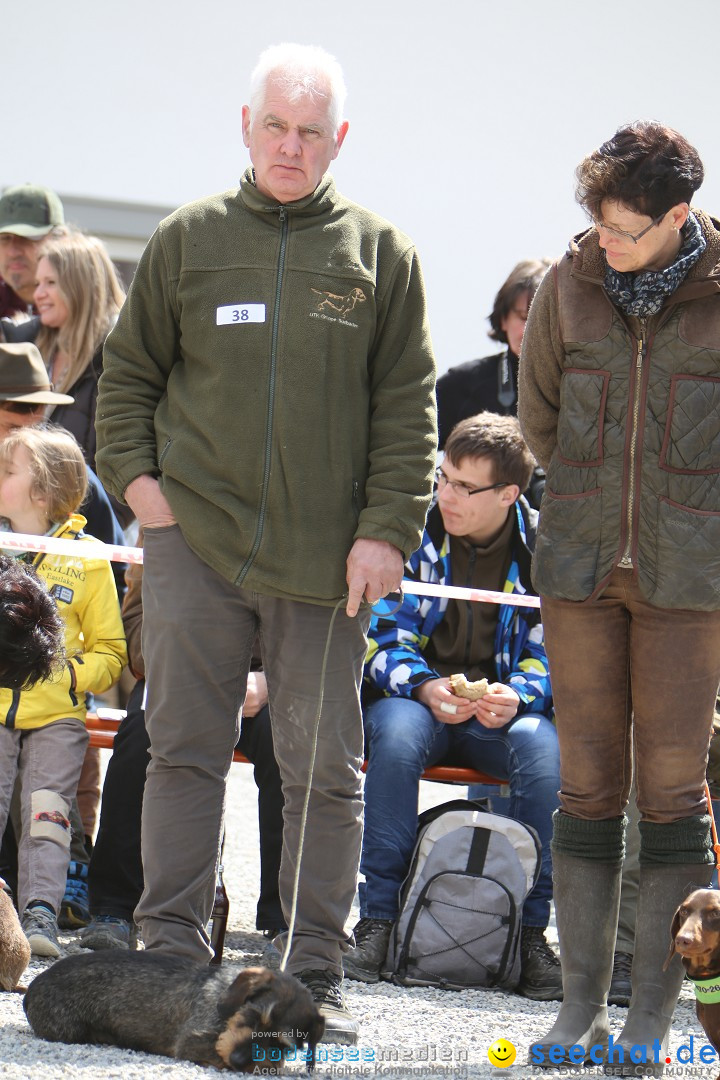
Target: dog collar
{"type": "Point", "coordinates": [707, 990]}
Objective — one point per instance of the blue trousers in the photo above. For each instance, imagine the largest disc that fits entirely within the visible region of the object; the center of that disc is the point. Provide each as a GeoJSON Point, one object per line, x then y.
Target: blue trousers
{"type": "Point", "coordinates": [402, 739]}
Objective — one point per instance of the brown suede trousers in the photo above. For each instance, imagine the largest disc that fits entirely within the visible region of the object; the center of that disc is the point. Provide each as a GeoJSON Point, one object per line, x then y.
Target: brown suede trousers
{"type": "Point", "coordinates": [626, 674]}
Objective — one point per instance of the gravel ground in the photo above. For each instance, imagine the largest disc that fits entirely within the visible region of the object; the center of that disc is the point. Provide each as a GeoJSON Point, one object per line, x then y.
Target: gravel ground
{"type": "Point", "coordinates": [403, 1032]}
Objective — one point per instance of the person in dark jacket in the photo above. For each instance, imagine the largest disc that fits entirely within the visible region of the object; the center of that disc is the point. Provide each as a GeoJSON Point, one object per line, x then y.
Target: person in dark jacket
{"type": "Point", "coordinates": [620, 401]}
{"type": "Point", "coordinates": [491, 382]}
{"type": "Point", "coordinates": [78, 296]}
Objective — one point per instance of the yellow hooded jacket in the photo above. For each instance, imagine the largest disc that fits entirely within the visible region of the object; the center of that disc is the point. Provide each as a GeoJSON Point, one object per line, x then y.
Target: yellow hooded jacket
{"type": "Point", "coordinates": [84, 591]}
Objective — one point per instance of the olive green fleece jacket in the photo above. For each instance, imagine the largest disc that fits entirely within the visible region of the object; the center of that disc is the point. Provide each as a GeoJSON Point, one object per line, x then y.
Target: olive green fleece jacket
{"type": "Point", "coordinates": [625, 416]}
{"type": "Point", "coordinates": [272, 366]}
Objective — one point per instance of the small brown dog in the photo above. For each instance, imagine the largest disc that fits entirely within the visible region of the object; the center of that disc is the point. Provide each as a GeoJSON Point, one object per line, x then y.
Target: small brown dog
{"type": "Point", "coordinates": [695, 936]}
{"type": "Point", "coordinates": [14, 946]}
{"type": "Point", "coordinates": [168, 1005]}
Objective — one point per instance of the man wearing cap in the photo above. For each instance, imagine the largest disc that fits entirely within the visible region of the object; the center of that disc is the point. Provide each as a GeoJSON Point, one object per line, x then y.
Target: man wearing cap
{"type": "Point", "coordinates": [27, 214]}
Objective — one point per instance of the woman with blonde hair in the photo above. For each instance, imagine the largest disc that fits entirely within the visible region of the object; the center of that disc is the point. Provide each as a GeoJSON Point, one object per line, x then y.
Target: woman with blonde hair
{"type": "Point", "coordinates": [78, 296]}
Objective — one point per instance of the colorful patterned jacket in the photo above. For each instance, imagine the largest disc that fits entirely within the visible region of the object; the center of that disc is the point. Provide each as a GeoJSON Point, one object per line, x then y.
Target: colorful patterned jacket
{"type": "Point", "coordinates": [395, 663]}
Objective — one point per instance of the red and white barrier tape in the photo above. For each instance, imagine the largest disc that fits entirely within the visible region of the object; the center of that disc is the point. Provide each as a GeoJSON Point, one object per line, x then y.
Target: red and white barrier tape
{"type": "Point", "coordinates": [457, 592]}
{"type": "Point", "coordinates": [56, 545]}
{"type": "Point", "coordinates": [95, 549]}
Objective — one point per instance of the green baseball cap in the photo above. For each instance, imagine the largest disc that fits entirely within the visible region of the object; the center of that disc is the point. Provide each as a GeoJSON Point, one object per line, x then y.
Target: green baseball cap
{"type": "Point", "coordinates": [29, 210]}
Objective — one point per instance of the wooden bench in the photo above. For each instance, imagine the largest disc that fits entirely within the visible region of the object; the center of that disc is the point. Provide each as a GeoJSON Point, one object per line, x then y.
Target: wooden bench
{"type": "Point", "coordinates": [103, 725]}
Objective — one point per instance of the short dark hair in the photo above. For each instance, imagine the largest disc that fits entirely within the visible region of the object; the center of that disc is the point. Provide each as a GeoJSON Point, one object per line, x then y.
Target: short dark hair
{"type": "Point", "coordinates": [647, 167]}
{"type": "Point", "coordinates": [32, 636]}
{"type": "Point", "coordinates": [524, 277]}
{"type": "Point", "coordinates": [499, 438]}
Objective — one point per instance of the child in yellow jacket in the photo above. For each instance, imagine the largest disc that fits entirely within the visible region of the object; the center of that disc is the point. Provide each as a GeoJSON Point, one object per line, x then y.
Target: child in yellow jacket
{"type": "Point", "coordinates": [43, 738]}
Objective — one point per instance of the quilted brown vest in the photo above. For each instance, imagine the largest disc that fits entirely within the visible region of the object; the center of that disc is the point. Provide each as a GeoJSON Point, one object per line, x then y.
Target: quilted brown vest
{"type": "Point", "coordinates": [635, 477]}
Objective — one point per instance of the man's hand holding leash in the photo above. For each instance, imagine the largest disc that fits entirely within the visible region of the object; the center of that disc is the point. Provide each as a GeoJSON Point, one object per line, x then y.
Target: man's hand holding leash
{"type": "Point", "coordinates": [374, 568]}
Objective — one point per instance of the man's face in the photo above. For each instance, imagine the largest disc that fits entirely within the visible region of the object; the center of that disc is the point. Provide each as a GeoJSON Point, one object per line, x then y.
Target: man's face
{"type": "Point", "coordinates": [18, 262]}
{"type": "Point", "coordinates": [479, 517]}
{"type": "Point", "coordinates": [291, 145]}
{"type": "Point", "coordinates": [11, 420]}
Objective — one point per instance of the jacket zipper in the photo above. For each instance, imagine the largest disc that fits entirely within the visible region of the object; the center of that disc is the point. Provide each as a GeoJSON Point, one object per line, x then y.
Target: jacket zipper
{"type": "Point", "coordinates": [284, 226]}
{"type": "Point", "coordinates": [626, 560]}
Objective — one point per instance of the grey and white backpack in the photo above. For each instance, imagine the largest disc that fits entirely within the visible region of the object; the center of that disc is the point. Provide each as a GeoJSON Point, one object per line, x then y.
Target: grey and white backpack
{"type": "Point", "coordinates": [461, 903]}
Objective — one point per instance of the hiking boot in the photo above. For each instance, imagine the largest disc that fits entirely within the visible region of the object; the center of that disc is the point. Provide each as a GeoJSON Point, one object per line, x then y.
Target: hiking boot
{"type": "Point", "coordinates": [324, 987]}
{"type": "Point", "coordinates": [621, 984]}
{"type": "Point", "coordinates": [540, 972]}
{"type": "Point", "coordinates": [365, 961]}
{"type": "Point", "coordinates": [108, 932]}
{"type": "Point", "coordinates": [40, 928]}
{"type": "Point", "coordinates": [75, 905]}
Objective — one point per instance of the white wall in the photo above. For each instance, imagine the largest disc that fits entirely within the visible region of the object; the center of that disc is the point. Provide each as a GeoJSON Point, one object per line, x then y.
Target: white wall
{"type": "Point", "coordinates": [467, 118]}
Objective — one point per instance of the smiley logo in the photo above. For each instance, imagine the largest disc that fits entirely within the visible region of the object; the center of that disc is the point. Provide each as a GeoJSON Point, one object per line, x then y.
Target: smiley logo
{"type": "Point", "coordinates": [501, 1054]}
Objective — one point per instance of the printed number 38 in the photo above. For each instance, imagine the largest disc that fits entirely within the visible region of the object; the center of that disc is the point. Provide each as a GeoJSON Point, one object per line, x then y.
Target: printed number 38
{"type": "Point", "coordinates": [240, 315]}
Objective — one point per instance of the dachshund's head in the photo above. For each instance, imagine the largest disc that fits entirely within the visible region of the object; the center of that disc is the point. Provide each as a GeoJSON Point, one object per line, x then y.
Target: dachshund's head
{"type": "Point", "coordinates": [266, 1015]}
{"type": "Point", "coordinates": [695, 933]}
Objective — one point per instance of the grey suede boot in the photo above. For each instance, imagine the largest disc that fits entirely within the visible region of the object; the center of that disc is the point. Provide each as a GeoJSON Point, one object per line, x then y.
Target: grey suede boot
{"type": "Point", "coordinates": [586, 891]}
{"type": "Point", "coordinates": [663, 884]}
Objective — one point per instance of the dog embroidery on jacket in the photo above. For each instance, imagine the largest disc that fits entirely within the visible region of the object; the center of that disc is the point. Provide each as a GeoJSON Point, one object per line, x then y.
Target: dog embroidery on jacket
{"type": "Point", "coordinates": [343, 305]}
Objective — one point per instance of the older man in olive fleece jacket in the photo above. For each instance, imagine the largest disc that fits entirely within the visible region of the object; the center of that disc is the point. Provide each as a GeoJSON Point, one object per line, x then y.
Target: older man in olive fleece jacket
{"type": "Point", "coordinates": [267, 411]}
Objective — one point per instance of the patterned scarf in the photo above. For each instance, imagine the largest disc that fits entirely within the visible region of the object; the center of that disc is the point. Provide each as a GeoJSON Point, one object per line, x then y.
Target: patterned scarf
{"type": "Point", "coordinates": [643, 293]}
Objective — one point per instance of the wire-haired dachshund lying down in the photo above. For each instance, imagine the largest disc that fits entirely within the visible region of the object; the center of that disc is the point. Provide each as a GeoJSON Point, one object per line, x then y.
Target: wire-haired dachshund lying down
{"type": "Point", "coordinates": [695, 936]}
{"type": "Point", "coordinates": [167, 1005]}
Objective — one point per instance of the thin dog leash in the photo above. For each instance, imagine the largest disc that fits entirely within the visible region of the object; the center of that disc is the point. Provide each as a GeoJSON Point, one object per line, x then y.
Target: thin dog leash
{"type": "Point", "coordinates": [308, 789]}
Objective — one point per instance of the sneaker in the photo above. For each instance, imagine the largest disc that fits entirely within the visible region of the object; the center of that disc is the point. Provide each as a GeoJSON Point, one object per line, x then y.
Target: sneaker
{"type": "Point", "coordinates": [324, 987]}
{"type": "Point", "coordinates": [364, 962]}
{"type": "Point", "coordinates": [108, 932]}
{"type": "Point", "coordinates": [75, 905]}
{"type": "Point", "coordinates": [540, 972]}
{"type": "Point", "coordinates": [621, 983]}
{"type": "Point", "coordinates": [40, 928]}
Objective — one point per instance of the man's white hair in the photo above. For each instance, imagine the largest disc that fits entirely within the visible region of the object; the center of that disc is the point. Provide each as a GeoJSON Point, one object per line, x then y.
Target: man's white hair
{"type": "Point", "coordinates": [300, 71]}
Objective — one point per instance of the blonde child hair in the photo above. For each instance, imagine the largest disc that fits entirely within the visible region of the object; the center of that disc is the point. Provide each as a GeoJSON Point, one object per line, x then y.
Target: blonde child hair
{"type": "Point", "coordinates": [57, 465]}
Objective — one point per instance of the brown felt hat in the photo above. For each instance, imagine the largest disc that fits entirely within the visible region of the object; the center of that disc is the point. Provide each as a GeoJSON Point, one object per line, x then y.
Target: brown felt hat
{"type": "Point", "coordinates": [24, 377]}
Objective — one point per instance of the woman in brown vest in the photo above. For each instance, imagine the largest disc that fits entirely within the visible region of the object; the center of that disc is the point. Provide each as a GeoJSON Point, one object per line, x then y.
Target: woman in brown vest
{"type": "Point", "coordinates": [620, 401]}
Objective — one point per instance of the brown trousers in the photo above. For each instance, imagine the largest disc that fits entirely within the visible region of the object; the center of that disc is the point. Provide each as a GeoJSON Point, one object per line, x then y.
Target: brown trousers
{"type": "Point", "coordinates": [624, 670]}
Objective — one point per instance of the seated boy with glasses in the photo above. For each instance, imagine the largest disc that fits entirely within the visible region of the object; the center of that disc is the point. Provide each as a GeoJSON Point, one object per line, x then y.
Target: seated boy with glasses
{"type": "Point", "coordinates": [480, 533]}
